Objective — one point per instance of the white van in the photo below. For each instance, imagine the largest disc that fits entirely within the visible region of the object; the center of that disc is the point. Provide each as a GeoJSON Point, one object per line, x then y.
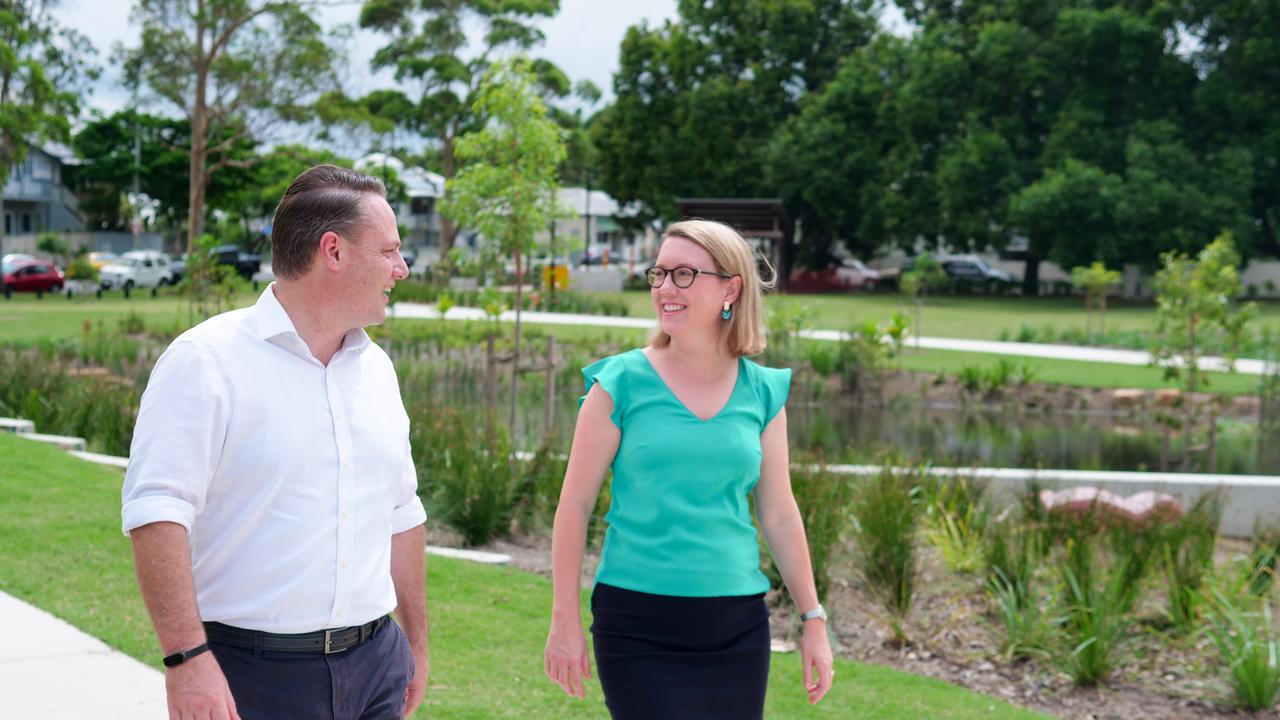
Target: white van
{"type": "Point", "coordinates": [137, 268]}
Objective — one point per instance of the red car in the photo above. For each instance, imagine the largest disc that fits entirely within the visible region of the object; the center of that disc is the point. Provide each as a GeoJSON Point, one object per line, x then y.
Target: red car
{"type": "Point", "coordinates": [32, 276]}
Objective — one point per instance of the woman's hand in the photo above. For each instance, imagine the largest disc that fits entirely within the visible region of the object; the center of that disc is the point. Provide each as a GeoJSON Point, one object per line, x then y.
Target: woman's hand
{"type": "Point", "coordinates": [566, 659]}
{"type": "Point", "coordinates": [815, 654]}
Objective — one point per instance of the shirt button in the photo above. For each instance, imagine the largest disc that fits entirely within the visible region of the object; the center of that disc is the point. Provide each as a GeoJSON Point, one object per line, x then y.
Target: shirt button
{"type": "Point", "coordinates": [344, 563]}
{"type": "Point", "coordinates": [338, 614]}
{"type": "Point", "coordinates": [346, 515]}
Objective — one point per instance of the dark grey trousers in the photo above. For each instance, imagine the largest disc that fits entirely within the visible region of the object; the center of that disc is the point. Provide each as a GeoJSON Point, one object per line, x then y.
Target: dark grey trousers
{"type": "Point", "coordinates": [364, 683]}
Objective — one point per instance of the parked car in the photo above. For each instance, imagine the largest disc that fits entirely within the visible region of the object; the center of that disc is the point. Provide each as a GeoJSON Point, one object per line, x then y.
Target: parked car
{"type": "Point", "coordinates": [847, 276]}
{"type": "Point", "coordinates": [102, 259]}
{"type": "Point", "coordinates": [137, 268]}
{"type": "Point", "coordinates": [856, 275]}
{"type": "Point", "coordinates": [22, 275]}
{"type": "Point", "coordinates": [246, 264]}
{"type": "Point", "coordinates": [969, 273]}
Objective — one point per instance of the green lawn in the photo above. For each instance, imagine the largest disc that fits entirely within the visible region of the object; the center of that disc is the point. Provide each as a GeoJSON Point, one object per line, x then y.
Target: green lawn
{"type": "Point", "coordinates": [959, 316]}
{"type": "Point", "coordinates": [61, 549]}
{"type": "Point", "coordinates": [25, 319]}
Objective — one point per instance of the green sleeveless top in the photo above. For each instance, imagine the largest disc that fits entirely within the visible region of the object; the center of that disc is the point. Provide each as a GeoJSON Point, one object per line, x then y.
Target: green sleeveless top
{"type": "Point", "coordinates": [679, 522]}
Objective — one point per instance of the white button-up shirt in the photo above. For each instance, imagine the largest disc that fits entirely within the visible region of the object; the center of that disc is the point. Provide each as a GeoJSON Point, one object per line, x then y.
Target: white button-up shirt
{"type": "Point", "coordinates": [290, 477]}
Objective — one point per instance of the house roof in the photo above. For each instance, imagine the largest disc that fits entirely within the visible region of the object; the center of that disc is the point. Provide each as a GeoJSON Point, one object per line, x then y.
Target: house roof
{"type": "Point", "coordinates": [419, 183]}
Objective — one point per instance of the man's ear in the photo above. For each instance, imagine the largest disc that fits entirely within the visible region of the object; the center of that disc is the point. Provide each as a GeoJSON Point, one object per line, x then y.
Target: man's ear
{"type": "Point", "coordinates": [332, 252]}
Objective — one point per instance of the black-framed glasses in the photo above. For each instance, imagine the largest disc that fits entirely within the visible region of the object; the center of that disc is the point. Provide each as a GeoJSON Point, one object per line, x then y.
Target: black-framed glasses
{"type": "Point", "coordinates": [683, 276]}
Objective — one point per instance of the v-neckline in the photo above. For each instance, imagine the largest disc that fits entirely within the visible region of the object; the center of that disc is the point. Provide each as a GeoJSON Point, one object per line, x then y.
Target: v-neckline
{"type": "Point", "coordinates": [663, 382]}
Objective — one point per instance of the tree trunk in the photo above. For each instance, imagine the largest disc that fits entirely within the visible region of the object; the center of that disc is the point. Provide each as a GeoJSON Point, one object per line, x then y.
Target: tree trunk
{"type": "Point", "coordinates": [199, 116]}
{"type": "Point", "coordinates": [1031, 276]}
{"type": "Point", "coordinates": [1102, 314]}
{"type": "Point", "coordinates": [448, 228]}
{"type": "Point", "coordinates": [515, 362]}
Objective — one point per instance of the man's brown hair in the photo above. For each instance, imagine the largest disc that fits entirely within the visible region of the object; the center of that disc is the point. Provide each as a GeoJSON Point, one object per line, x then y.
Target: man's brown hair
{"type": "Point", "coordinates": [323, 198]}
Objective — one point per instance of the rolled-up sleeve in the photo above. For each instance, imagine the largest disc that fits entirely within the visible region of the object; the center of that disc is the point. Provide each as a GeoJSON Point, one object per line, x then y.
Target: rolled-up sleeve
{"type": "Point", "coordinates": [177, 440]}
{"type": "Point", "coordinates": [409, 512]}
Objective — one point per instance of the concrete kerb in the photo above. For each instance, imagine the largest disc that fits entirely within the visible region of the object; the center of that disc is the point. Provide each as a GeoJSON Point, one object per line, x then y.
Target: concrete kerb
{"type": "Point", "coordinates": [1249, 498]}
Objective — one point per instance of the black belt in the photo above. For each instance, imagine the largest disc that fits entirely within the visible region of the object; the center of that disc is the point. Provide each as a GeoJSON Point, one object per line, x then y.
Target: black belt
{"type": "Point", "coordinates": [321, 641]}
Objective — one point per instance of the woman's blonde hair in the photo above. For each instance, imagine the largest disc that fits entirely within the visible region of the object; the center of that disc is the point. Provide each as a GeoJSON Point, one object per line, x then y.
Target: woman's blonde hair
{"type": "Point", "coordinates": [743, 333]}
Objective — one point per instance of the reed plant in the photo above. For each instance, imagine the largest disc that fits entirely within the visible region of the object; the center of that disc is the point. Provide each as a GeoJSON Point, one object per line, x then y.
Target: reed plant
{"type": "Point", "coordinates": [824, 499]}
{"type": "Point", "coordinates": [1186, 549]}
{"type": "Point", "coordinates": [1012, 556]}
{"type": "Point", "coordinates": [956, 518]}
{"type": "Point", "coordinates": [465, 471]}
{"type": "Point", "coordinates": [1096, 602]}
{"type": "Point", "coordinates": [1249, 648]}
{"type": "Point", "coordinates": [1264, 557]}
{"type": "Point", "coordinates": [886, 520]}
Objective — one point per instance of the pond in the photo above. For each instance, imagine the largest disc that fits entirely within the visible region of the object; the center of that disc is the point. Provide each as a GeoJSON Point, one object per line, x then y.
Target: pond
{"type": "Point", "coordinates": [843, 430]}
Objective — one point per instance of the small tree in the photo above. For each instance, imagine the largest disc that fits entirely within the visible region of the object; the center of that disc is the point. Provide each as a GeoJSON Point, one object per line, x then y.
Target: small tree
{"type": "Point", "coordinates": [926, 275]}
{"type": "Point", "coordinates": [52, 243]}
{"type": "Point", "coordinates": [507, 188]}
{"type": "Point", "coordinates": [1195, 309]}
{"type": "Point", "coordinates": [1095, 281]}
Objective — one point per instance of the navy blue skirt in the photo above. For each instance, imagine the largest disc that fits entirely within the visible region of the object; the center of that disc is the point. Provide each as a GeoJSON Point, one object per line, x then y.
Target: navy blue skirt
{"type": "Point", "coordinates": [660, 656]}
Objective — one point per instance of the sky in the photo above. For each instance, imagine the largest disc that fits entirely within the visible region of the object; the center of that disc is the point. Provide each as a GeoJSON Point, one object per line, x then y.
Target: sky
{"type": "Point", "coordinates": [582, 39]}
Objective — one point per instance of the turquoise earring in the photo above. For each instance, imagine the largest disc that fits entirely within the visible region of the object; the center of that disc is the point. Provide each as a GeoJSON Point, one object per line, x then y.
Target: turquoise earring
{"type": "Point", "coordinates": [727, 312]}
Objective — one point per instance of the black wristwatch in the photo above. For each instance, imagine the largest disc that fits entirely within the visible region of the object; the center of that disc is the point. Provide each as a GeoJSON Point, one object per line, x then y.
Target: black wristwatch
{"type": "Point", "coordinates": [182, 656]}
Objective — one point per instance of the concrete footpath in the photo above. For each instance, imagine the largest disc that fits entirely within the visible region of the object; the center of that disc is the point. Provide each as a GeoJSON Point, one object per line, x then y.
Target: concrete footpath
{"type": "Point", "coordinates": [53, 671]}
{"type": "Point", "coordinates": [988, 347]}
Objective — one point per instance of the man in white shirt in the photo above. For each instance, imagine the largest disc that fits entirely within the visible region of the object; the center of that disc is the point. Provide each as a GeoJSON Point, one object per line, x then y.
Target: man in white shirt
{"type": "Point", "coordinates": [271, 496]}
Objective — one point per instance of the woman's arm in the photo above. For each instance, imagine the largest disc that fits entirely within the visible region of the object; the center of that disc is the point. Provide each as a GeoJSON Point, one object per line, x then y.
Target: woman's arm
{"type": "Point", "coordinates": [784, 532]}
{"type": "Point", "coordinates": [595, 442]}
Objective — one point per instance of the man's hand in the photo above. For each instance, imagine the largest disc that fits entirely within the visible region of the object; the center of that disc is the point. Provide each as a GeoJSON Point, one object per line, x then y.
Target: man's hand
{"type": "Point", "coordinates": [417, 684]}
{"type": "Point", "coordinates": [197, 690]}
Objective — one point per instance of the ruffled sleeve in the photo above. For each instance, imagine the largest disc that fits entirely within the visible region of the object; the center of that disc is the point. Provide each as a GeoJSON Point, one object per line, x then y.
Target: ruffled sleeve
{"type": "Point", "coordinates": [611, 373]}
{"type": "Point", "coordinates": [773, 386]}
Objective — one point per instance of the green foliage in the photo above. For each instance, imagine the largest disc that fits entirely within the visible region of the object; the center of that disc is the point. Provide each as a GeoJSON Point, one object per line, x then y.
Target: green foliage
{"type": "Point", "coordinates": [42, 68]}
{"type": "Point", "coordinates": [1012, 552]}
{"type": "Point", "coordinates": [1186, 548]}
{"type": "Point", "coordinates": [824, 500]}
{"type": "Point", "coordinates": [208, 286]}
{"type": "Point", "coordinates": [1249, 648]}
{"type": "Point", "coordinates": [956, 519]}
{"type": "Point", "coordinates": [886, 519]}
{"type": "Point", "coordinates": [81, 269]}
{"type": "Point", "coordinates": [233, 68]}
{"type": "Point", "coordinates": [1095, 281]}
{"type": "Point", "coordinates": [1264, 557]}
{"type": "Point", "coordinates": [1096, 618]}
{"type": "Point", "coordinates": [465, 477]}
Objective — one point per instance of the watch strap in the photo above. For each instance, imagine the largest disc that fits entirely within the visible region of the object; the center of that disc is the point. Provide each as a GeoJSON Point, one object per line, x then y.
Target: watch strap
{"type": "Point", "coordinates": [182, 656]}
{"type": "Point", "coordinates": [818, 613]}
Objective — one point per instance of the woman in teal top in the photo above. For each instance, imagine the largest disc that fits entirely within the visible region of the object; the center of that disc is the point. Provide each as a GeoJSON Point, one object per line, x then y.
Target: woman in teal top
{"type": "Point", "coordinates": [690, 427]}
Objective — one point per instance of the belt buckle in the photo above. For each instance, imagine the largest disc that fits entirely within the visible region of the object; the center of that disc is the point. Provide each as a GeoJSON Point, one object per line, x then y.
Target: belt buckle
{"type": "Point", "coordinates": [328, 643]}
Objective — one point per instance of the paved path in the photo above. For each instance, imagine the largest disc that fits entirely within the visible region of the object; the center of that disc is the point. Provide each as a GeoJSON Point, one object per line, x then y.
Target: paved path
{"type": "Point", "coordinates": [990, 347]}
{"type": "Point", "coordinates": [53, 671]}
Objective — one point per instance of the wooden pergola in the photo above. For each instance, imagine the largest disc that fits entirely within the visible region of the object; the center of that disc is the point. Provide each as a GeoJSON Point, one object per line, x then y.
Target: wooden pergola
{"type": "Point", "coordinates": [763, 219]}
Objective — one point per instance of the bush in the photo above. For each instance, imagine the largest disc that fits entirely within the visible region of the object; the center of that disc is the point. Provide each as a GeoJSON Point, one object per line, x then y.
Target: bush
{"type": "Point", "coordinates": [464, 473]}
{"type": "Point", "coordinates": [1187, 552]}
{"type": "Point", "coordinates": [886, 517]}
{"type": "Point", "coordinates": [956, 518]}
{"type": "Point", "coordinates": [1249, 648]}
{"type": "Point", "coordinates": [1011, 553]}
{"type": "Point", "coordinates": [823, 498]}
{"type": "Point", "coordinates": [1263, 558]}
{"type": "Point", "coordinates": [1096, 615]}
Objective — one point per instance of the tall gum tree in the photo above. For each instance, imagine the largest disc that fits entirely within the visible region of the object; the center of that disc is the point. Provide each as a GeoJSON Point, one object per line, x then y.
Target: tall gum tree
{"type": "Point", "coordinates": [236, 69]}
{"type": "Point", "coordinates": [439, 68]}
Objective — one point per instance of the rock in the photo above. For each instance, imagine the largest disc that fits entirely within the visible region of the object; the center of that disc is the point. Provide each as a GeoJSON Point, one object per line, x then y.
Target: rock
{"type": "Point", "coordinates": [986, 666]}
{"type": "Point", "coordinates": [1128, 397]}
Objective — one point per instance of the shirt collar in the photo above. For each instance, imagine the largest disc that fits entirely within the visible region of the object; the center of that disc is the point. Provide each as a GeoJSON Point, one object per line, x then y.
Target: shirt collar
{"type": "Point", "coordinates": [274, 324]}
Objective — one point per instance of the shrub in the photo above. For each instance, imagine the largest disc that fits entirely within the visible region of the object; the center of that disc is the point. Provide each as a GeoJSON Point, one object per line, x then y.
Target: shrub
{"type": "Point", "coordinates": [1263, 558]}
{"type": "Point", "coordinates": [1093, 625]}
{"type": "Point", "coordinates": [824, 500]}
{"type": "Point", "coordinates": [1248, 645]}
{"type": "Point", "coordinates": [464, 474]}
{"type": "Point", "coordinates": [956, 517]}
{"type": "Point", "coordinates": [1011, 554]}
{"type": "Point", "coordinates": [1187, 552]}
{"type": "Point", "coordinates": [886, 517]}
